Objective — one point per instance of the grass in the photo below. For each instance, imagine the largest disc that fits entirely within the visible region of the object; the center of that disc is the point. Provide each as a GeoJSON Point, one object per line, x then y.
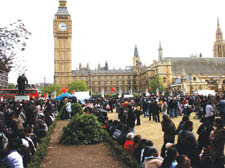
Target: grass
{"type": "Point", "coordinates": [153, 131]}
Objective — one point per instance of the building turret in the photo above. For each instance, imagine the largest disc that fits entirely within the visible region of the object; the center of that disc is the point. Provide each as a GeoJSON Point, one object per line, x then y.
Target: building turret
{"type": "Point", "coordinates": [136, 58]}
{"type": "Point", "coordinates": [106, 66]}
{"type": "Point", "coordinates": [160, 59]}
{"type": "Point", "coordinates": [219, 44]}
{"type": "Point", "coordinates": [219, 34]}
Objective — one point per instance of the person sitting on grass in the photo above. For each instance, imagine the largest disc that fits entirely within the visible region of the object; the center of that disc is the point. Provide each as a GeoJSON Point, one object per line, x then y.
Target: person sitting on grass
{"type": "Point", "coordinates": [170, 159]}
{"type": "Point", "coordinates": [128, 145]}
{"type": "Point", "coordinates": [183, 162]}
{"type": "Point", "coordinates": [151, 158]}
{"type": "Point", "coordinates": [137, 140]}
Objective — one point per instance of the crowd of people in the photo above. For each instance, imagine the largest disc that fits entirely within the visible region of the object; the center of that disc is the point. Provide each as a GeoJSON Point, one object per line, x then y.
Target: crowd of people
{"type": "Point", "coordinates": [22, 125]}
{"type": "Point", "coordinates": [204, 151]}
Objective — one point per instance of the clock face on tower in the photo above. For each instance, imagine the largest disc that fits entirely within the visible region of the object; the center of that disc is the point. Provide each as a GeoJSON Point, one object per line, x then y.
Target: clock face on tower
{"type": "Point", "coordinates": [62, 26]}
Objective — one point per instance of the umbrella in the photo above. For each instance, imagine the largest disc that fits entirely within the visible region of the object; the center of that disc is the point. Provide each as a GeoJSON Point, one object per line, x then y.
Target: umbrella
{"type": "Point", "coordinates": [101, 110]}
{"type": "Point", "coordinates": [64, 95]}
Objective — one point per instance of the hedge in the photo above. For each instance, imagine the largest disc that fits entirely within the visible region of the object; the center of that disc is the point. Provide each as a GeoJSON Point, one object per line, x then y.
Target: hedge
{"type": "Point", "coordinates": [42, 148]}
{"type": "Point", "coordinates": [127, 159]}
{"type": "Point", "coordinates": [82, 130]}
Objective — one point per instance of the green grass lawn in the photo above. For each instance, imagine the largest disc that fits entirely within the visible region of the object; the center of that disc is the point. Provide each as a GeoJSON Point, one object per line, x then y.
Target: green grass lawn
{"type": "Point", "coordinates": [153, 131]}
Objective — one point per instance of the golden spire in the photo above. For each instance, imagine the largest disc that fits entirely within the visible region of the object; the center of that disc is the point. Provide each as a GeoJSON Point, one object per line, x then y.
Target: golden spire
{"type": "Point", "coordinates": [62, 3]}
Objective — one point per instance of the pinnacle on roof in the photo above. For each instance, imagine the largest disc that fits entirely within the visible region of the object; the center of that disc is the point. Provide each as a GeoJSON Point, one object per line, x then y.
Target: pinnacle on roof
{"type": "Point", "coordinates": [160, 47]}
{"type": "Point", "coordinates": [62, 9]}
{"type": "Point", "coordinates": [136, 51]}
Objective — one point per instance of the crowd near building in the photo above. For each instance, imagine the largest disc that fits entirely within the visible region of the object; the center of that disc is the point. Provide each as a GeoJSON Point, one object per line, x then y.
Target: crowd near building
{"type": "Point", "coordinates": [178, 74]}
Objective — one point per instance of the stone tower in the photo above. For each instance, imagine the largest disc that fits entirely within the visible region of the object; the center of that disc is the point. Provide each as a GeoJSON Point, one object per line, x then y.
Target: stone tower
{"type": "Point", "coordinates": [136, 58]}
{"type": "Point", "coordinates": [160, 59]}
{"type": "Point", "coordinates": [62, 26]}
{"type": "Point", "coordinates": [219, 44]}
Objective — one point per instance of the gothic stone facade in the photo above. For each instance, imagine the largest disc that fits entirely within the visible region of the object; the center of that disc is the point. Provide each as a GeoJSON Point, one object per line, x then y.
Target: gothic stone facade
{"type": "Point", "coordinates": [177, 74]}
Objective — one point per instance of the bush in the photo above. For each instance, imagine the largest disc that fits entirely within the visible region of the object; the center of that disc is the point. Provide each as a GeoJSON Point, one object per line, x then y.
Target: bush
{"type": "Point", "coordinates": [42, 148]}
{"type": "Point", "coordinates": [76, 109]}
{"type": "Point", "coordinates": [82, 130]}
{"type": "Point", "coordinates": [127, 159]}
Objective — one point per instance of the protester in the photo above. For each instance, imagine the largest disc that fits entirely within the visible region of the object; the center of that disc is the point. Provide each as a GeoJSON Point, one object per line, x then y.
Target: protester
{"type": "Point", "coordinates": [183, 162]}
{"type": "Point", "coordinates": [169, 128]}
{"type": "Point", "coordinates": [170, 159]}
{"type": "Point", "coordinates": [188, 145]}
{"type": "Point", "coordinates": [216, 147]}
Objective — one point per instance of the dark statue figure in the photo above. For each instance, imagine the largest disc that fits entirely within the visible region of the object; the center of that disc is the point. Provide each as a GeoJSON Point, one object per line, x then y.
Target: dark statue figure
{"type": "Point", "coordinates": [21, 83]}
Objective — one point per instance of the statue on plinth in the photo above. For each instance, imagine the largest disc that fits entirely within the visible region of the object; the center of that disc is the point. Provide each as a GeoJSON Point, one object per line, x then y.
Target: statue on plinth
{"type": "Point", "coordinates": [22, 82]}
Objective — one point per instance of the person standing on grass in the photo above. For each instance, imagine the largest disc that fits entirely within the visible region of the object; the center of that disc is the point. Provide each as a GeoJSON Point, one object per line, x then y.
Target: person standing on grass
{"type": "Point", "coordinates": [188, 145]}
{"type": "Point", "coordinates": [155, 111]}
{"type": "Point", "coordinates": [138, 113]}
{"type": "Point", "coordinates": [209, 112]}
{"type": "Point", "coordinates": [169, 129]}
{"type": "Point", "coordinates": [131, 118]}
{"type": "Point", "coordinates": [69, 109]}
{"type": "Point", "coordinates": [164, 107]}
{"type": "Point", "coordinates": [216, 147]}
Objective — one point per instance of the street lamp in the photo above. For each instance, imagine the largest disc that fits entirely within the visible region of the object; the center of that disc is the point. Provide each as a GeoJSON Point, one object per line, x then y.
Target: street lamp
{"type": "Point", "coordinates": [44, 81]}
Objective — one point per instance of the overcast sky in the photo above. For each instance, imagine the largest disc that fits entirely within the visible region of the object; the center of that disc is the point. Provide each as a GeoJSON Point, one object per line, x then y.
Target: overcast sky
{"type": "Point", "coordinates": [108, 30]}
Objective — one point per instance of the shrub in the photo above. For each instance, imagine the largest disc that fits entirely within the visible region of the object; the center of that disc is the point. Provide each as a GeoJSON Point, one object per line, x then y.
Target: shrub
{"type": "Point", "coordinates": [76, 109]}
{"type": "Point", "coordinates": [81, 130]}
{"type": "Point", "coordinates": [127, 159]}
{"type": "Point", "coordinates": [62, 113]}
{"type": "Point", "coordinates": [42, 148]}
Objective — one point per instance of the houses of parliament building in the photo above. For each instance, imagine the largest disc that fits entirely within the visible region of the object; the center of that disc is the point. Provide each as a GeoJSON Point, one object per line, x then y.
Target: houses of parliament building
{"type": "Point", "coordinates": [178, 74]}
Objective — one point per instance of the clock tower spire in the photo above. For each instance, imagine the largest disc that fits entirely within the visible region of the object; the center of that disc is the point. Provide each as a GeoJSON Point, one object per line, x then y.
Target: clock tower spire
{"type": "Point", "coordinates": [62, 25]}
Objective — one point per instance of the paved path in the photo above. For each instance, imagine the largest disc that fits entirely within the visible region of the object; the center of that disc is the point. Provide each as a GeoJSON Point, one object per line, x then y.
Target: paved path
{"type": "Point", "coordinates": [88, 156]}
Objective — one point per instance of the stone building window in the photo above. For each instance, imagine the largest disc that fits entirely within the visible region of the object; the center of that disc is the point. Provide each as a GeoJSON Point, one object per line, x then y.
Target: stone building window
{"type": "Point", "coordinates": [164, 79]}
{"type": "Point", "coordinates": [223, 81]}
{"type": "Point", "coordinates": [194, 78]}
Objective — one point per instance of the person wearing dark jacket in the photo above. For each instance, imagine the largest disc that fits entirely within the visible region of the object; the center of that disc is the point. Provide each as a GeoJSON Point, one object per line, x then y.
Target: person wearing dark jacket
{"type": "Point", "coordinates": [155, 111]}
{"type": "Point", "coordinates": [216, 147]}
{"type": "Point", "coordinates": [131, 118]}
{"type": "Point", "coordinates": [204, 132]}
{"type": "Point", "coordinates": [138, 113]}
{"type": "Point", "coordinates": [21, 83]}
{"type": "Point", "coordinates": [169, 128]}
{"type": "Point", "coordinates": [188, 145]}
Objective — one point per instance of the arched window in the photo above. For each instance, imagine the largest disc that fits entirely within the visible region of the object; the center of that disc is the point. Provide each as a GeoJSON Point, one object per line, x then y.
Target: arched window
{"type": "Point", "coordinates": [194, 78]}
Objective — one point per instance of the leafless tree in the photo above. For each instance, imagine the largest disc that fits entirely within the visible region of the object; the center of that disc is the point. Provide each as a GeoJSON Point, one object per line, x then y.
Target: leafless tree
{"type": "Point", "coordinates": [12, 40]}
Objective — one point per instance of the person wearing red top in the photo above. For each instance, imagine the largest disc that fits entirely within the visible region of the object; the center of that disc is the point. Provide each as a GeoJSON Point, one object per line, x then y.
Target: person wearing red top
{"type": "Point", "coordinates": [129, 144]}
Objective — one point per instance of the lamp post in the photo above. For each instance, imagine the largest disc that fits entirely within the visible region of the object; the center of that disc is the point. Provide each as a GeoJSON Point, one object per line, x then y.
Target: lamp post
{"type": "Point", "coordinates": [44, 81]}
{"type": "Point", "coordinates": [90, 82]}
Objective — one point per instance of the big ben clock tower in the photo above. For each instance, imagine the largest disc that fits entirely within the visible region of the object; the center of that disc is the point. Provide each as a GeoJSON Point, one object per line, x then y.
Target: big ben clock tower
{"type": "Point", "coordinates": [62, 43]}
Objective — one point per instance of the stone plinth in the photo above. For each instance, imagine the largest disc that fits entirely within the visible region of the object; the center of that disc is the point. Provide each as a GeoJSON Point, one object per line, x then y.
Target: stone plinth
{"type": "Point", "coordinates": [21, 98]}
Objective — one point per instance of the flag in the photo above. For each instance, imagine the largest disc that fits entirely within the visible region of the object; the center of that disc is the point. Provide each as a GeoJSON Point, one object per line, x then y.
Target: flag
{"type": "Point", "coordinates": [45, 96]}
{"type": "Point", "coordinates": [73, 92]}
{"type": "Point", "coordinates": [64, 89]}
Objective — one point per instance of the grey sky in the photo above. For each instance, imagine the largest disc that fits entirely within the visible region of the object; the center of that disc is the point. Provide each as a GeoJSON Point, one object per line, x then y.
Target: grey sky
{"type": "Point", "coordinates": [107, 30]}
